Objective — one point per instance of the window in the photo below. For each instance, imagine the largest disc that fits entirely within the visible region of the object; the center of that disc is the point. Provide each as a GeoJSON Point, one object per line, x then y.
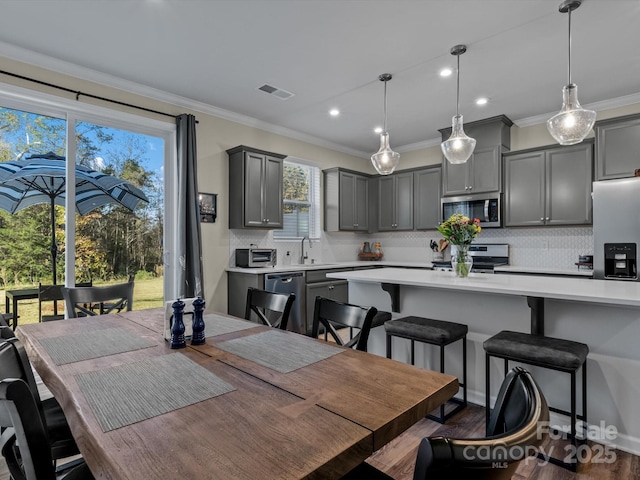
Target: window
{"type": "Point", "coordinates": [301, 202]}
{"type": "Point", "coordinates": [77, 125]}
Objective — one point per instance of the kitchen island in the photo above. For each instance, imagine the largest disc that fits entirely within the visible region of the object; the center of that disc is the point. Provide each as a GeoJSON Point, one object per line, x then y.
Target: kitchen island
{"type": "Point", "coordinates": [603, 314]}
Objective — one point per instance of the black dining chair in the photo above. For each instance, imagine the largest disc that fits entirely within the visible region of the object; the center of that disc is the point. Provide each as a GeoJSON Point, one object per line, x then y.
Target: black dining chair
{"type": "Point", "coordinates": [24, 443]}
{"type": "Point", "coordinates": [514, 434]}
{"type": "Point", "coordinates": [82, 301]}
{"type": "Point", "coordinates": [14, 363]}
{"type": "Point", "coordinates": [271, 308]}
{"type": "Point", "coordinates": [329, 314]}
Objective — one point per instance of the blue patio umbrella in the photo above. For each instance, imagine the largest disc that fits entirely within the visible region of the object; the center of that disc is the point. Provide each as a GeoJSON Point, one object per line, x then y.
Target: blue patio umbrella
{"type": "Point", "coordinates": [42, 179]}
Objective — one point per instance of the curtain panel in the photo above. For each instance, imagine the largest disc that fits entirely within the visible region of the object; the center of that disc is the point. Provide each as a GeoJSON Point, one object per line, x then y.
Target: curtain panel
{"type": "Point", "coordinates": [189, 255]}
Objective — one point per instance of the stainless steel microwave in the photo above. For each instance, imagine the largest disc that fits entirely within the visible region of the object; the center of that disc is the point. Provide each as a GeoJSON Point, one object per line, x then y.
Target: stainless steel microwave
{"type": "Point", "coordinates": [256, 257]}
{"type": "Point", "coordinates": [486, 207]}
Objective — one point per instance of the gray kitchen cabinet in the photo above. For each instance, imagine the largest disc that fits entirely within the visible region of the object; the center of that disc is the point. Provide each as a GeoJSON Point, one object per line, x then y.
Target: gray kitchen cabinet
{"type": "Point", "coordinates": [426, 198]}
{"type": "Point", "coordinates": [237, 286]}
{"type": "Point", "coordinates": [318, 285]}
{"type": "Point", "coordinates": [483, 171]}
{"type": "Point", "coordinates": [617, 147]}
{"type": "Point", "coordinates": [347, 201]}
{"type": "Point", "coordinates": [255, 188]}
{"type": "Point", "coordinates": [550, 186]}
{"type": "Point", "coordinates": [395, 207]}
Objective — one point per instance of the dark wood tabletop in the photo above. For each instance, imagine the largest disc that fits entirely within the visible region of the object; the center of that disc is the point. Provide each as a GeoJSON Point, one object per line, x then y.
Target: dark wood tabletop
{"type": "Point", "coordinates": [316, 422]}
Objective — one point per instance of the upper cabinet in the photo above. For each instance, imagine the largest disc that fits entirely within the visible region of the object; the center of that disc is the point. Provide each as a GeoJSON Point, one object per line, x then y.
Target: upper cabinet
{"type": "Point", "coordinates": [617, 147]}
{"type": "Point", "coordinates": [347, 200]}
{"type": "Point", "coordinates": [395, 204]}
{"type": "Point", "coordinates": [255, 188]}
{"type": "Point", "coordinates": [426, 194]}
{"type": "Point", "coordinates": [483, 171]}
{"type": "Point", "coordinates": [549, 186]}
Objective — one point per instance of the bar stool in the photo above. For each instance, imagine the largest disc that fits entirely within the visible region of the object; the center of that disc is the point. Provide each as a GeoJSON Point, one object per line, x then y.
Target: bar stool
{"type": "Point", "coordinates": [433, 332]}
{"type": "Point", "coordinates": [546, 352]}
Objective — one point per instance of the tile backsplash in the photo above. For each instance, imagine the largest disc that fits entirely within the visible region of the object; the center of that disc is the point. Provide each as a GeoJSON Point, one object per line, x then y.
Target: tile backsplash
{"type": "Point", "coordinates": [557, 247]}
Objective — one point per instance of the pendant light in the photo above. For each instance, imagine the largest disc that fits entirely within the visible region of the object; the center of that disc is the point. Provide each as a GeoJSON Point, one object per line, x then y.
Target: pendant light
{"type": "Point", "coordinates": [458, 148]}
{"type": "Point", "coordinates": [385, 160]}
{"type": "Point", "coordinates": [572, 123]}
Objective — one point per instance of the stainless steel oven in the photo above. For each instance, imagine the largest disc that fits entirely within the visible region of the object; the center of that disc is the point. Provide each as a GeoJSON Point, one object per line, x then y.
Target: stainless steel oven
{"type": "Point", "coordinates": [486, 207]}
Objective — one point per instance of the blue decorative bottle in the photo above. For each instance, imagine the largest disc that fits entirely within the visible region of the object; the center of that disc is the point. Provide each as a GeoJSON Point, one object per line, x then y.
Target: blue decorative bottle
{"type": "Point", "coordinates": [197, 337]}
{"type": "Point", "coordinates": [177, 328]}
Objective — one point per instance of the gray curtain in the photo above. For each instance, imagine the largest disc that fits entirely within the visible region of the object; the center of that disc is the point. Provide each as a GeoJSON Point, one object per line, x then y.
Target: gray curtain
{"type": "Point", "coordinates": [189, 255]}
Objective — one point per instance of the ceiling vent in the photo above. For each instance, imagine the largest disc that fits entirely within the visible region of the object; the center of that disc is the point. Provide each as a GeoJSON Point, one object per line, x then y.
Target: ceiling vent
{"type": "Point", "coordinates": [277, 92]}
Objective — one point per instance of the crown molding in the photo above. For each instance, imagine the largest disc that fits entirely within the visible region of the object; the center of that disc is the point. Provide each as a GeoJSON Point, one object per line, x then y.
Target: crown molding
{"type": "Point", "coordinates": [419, 145]}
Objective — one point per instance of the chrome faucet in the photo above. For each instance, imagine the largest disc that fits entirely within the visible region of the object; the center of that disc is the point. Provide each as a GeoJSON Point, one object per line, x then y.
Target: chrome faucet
{"type": "Point", "coordinates": [303, 257]}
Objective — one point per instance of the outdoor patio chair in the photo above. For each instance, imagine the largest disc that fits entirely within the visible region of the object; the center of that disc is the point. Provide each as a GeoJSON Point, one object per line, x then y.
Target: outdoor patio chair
{"type": "Point", "coordinates": [53, 293]}
{"type": "Point", "coordinates": [82, 301]}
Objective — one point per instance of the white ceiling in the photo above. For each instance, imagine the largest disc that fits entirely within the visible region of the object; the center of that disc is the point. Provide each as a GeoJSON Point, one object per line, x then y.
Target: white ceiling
{"type": "Point", "coordinates": [215, 54]}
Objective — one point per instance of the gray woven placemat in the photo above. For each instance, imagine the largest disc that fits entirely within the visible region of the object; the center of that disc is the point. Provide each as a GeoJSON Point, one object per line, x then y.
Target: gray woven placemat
{"type": "Point", "coordinates": [137, 391]}
{"type": "Point", "coordinates": [279, 351]}
{"type": "Point", "coordinates": [92, 344]}
{"type": "Point", "coordinates": [219, 325]}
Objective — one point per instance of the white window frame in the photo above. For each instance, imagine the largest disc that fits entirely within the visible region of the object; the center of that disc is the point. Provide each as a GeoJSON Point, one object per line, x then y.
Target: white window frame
{"type": "Point", "coordinates": [314, 201]}
{"type": "Point", "coordinates": [20, 98]}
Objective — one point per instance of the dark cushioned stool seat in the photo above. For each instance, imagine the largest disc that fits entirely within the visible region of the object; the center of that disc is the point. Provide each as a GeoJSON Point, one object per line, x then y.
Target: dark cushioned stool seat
{"type": "Point", "coordinates": [546, 352]}
{"type": "Point", "coordinates": [538, 350]}
{"type": "Point", "coordinates": [437, 332]}
{"type": "Point", "coordinates": [434, 332]}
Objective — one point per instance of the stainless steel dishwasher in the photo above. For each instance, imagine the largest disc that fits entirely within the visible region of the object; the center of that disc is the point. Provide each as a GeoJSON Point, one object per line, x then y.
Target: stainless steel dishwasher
{"type": "Point", "coordinates": [290, 282]}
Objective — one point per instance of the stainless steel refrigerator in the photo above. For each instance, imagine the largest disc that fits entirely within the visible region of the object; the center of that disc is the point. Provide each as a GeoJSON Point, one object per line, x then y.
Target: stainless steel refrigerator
{"type": "Point", "coordinates": [616, 228]}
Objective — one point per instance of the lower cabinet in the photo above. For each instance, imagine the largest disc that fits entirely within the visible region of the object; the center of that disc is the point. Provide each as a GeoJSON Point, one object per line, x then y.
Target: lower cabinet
{"type": "Point", "coordinates": [318, 285]}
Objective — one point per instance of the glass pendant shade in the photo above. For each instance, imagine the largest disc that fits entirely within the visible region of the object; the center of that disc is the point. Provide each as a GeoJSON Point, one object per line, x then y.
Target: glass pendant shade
{"type": "Point", "coordinates": [572, 123]}
{"type": "Point", "coordinates": [458, 148]}
{"type": "Point", "coordinates": [385, 160]}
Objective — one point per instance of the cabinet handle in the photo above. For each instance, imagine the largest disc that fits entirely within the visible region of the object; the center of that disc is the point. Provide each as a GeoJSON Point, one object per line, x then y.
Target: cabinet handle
{"type": "Point", "coordinates": [542, 219]}
{"type": "Point", "coordinates": [547, 219]}
{"type": "Point", "coordinates": [267, 220]}
{"type": "Point", "coordinates": [470, 187]}
{"type": "Point", "coordinates": [331, 287]}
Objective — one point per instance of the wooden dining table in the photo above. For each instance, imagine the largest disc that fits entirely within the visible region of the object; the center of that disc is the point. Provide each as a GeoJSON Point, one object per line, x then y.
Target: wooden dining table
{"type": "Point", "coordinates": [120, 386]}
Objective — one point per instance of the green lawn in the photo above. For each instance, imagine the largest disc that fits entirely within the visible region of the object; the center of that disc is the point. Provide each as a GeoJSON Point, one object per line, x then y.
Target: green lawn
{"type": "Point", "coordinates": [146, 294]}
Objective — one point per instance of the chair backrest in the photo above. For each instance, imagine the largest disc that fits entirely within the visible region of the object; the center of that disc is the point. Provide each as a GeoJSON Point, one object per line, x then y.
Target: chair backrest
{"type": "Point", "coordinates": [83, 301]}
{"type": "Point", "coordinates": [53, 293]}
{"type": "Point", "coordinates": [14, 363]}
{"type": "Point", "coordinates": [18, 411]}
{"type": "Point", "coordinates": [514, 434]}
{"type": "Point", "coordinates": [50, 293]}
{"type": "Point", "coordinates": [272, 309]}
{"type": "Point", "coordinates": [330, 313]}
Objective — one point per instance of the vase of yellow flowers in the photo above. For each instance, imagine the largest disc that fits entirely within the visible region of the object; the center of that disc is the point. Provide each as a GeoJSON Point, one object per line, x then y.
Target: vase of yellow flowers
{"type": "Point", "coordinates": [460, 231]}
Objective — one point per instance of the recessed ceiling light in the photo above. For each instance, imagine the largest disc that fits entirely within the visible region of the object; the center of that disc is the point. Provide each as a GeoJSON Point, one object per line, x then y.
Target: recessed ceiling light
{"type": "Point", "coordinates": [482, 101]}
{"type": "Point", "coordinates": [445, 72]}
{"type": "Point", "coordinates": [378, 130]}
{"type": "Point", "coordinates": [334, 112]}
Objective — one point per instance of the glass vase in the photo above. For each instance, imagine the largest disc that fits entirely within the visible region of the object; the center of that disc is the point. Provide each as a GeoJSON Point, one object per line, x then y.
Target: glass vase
{"type": "Point", "coordinates": [462, 261]}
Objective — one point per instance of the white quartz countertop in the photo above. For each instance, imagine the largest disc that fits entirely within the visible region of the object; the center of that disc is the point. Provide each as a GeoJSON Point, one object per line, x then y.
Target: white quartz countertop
{"type": "Point", "coordinates": [544, 270]}
{"type": "Point", "coordinates": [614, 292]}
{"type": "Point", "coordinates": [328, 266]}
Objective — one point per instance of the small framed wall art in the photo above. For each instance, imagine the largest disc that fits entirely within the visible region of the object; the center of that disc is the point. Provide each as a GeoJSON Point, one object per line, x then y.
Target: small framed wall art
{"type": "Point", "coordinates": [208, 203]}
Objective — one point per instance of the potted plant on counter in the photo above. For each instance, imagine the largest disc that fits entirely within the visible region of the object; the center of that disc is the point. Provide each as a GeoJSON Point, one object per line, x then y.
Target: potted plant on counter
{"type": "Point", "coordinates": [460, 231]}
